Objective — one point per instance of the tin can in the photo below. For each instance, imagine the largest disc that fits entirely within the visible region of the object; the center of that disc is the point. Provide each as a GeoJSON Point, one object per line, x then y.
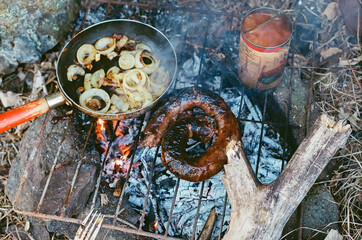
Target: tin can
{"type": "Point", "coordinates": [264, 46]}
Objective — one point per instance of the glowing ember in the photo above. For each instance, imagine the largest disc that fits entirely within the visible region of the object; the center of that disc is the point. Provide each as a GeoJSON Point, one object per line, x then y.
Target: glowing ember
{"type": "Point", "coordinates": [118, 138]}
{"type": "Point", "coordinates": [156, 225]}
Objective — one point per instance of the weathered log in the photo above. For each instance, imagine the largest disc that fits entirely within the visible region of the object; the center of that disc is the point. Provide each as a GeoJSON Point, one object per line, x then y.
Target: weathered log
{"type": "Point", "coordinates": [260, 211]}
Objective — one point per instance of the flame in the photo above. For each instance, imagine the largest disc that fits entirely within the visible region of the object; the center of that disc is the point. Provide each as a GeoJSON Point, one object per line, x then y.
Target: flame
{"type": "Point", "coordinates": [119, 152]}
{"type": "Point", "coordinates": [156, 224]}
{"type": "Point", "coordinates": [101, 133]}
{"type": "Point", "coordinates": [125, 150]}
{"type": "Point", "coordinates": [101, 123]}
{"type": "Point", "coordinates": [118, 131]}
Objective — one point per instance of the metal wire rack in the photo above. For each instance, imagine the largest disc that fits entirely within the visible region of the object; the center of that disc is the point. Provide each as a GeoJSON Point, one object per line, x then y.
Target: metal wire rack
{"type": "Point", "coordinates": [265, 99]}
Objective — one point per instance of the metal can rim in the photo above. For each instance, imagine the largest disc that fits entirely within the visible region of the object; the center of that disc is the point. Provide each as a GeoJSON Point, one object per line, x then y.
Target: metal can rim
{"type": "Point", "coordinates": [270, 9]}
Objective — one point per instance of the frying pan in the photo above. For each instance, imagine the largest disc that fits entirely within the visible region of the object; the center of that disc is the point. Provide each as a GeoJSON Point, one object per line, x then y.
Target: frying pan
{"type": "Point", "coordinates": [161, 48]}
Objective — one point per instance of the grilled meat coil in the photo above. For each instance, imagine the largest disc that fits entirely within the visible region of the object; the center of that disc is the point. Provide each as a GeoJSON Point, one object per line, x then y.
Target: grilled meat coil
{"type": "Point", "coordinates": [171, 128]}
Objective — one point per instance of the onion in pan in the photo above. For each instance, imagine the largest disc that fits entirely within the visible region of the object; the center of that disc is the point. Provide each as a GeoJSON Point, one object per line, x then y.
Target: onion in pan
{"type": "Point", "coordinates": [97, 78]}
{"type": "Point", "coordinates": [73, 71]}
{"type": "Point", "coordinates": [96, 100]}
{"type": "Point", "coordinates": [86, 54]}
{"type": "Point", "coordinates": [105, 45]}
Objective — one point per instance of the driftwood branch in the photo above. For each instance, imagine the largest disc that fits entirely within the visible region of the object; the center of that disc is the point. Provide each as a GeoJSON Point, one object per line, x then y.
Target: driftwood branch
{"type": "Point", "coordinates": [261, 211]}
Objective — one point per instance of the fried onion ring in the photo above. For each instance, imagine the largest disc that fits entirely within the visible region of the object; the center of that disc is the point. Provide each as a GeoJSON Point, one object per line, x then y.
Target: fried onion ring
{"type": "Point", "coordinates": [96, 100]}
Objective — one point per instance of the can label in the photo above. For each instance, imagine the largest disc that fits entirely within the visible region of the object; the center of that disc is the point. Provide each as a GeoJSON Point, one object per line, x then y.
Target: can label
{"type": "Point", "coordinates": [263, 49]}
{"type": "Point", "coordinates": [261, 68]}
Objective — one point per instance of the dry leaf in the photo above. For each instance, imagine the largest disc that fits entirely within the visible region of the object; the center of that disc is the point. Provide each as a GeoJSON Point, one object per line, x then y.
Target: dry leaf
{"type": "Point", "coordinates": [331, 11]}
{"type": "Point", "coordinates": [326, 53]}
{"type": "Point", "coordinates": [353, 61]}
{"type": "Point", "coordinates": [300, 60]}
{"type": "Point", "coordinates": [334, 235]}
{"type": "Point", "coordinates": [27, 226]}
{"type": "Point", "coordinates": [10, 99]}
{"type": "Point", "coordinates": [38, 83]}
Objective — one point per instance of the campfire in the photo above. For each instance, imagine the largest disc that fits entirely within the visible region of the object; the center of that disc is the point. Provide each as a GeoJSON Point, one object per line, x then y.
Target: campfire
{"type": "Point", "coordinates": [110, 171]}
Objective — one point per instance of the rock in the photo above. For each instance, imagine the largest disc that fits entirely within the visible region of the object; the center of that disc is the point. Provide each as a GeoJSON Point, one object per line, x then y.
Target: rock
{"type": "Point", "coordinates": [298, 104]}
{"type": "Point", "coordinates": [38, 231]}
{"type": "Point", "coordinates": [42, 162]}
{"type": "Point", "coordinates": [30, 28]}
{"type": "Point", "coordinates": [35, 232]}
{"type": "Point", "coordinates": [59, 185]}
{"type": "Point", "coordinates": [320, 213]}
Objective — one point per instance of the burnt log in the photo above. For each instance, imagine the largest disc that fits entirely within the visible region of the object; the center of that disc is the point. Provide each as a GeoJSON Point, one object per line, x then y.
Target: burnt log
{"type": "Point", "coordinates": [260, 211]}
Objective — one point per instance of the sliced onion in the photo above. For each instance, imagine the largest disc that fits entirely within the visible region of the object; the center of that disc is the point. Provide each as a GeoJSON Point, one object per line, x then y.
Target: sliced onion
{"type": "Point", "coordinates": [134, 52]}
{"type": "Point", "coordinates": [112, 72]}
{"type": "Point", "coordinates": [112, 55]}
{"type": "Point", "coordinates": [105, 45]}
{"type": "Point", "coordinates": [134, 79]}
{"type": "Point", "coordinates": [97, 78]}
{"type": "Point", "coordinates": [120, 102]}
{"type": "Point", "coordinates": [142, 46]}
{"type": "Point", "coordinates": [87, 82]}
{"type": "Point", "coordinates": [96, 100]}
{"type": "Point", "coordinates": [122, 41]}
{"type": "Point", "coordinates": [126, 61]}
{"type": "Point", "coordinates": [141, 97]}
{"type": "Point", "coordinates": [86, 54]}
{"type": "Point", "coordinates": [73, 71]}
{"type": "Point", "coordinates": [98, 57]}
{"type": "Point", "coordinates": [119, 78]}
{"type": "Point", "coordinates": [145, 61]}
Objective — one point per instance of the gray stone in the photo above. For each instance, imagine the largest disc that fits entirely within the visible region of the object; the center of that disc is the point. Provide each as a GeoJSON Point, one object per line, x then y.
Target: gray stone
{"type": "Point", "coordinates": [59, 185]}
{"type": "Point", "coordinates": [30, 28]}
{"type": "Point", "coordinates": [320, 213]}
{"type": "Point", "coordinates": [298, 102]}
{"type": "Point", "coordinates": [41, 164]}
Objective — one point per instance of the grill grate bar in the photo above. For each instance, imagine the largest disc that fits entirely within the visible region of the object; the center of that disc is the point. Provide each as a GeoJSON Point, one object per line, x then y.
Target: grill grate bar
{"type": "Point", "coordinates": [172, 206]}
{"type": "Point", "coordinates": [102, 167]}
{"type": "Point", "coordinates": [134, 147]}
{"type": "Point", "coordinates": [53, 166]}
{"type": "Point", "coordinates": [168, 7]}
{"type": "Point", "coordinates": [286, 124]}
{"type": "Point", "coordinates": [33, 155]}
{"type": "Point", "coordinates": [223, 214]}
{"type": "Point", "coordinates": [261, 132]}
{"type": "Point", "coordinates": [104, 225]}
{"type": "Point", "coordinates": [76, 172]}
{"type": "Point", "coordinates": [205, 13]}
{"type": "Point", "coordinates": [203, 51]}
{"type": "Point", "coordinates": [276, 124]}
{"type": "Point", "coordinates": [198, 210]}
{"type": "Point", "coordinates": [148, 189]}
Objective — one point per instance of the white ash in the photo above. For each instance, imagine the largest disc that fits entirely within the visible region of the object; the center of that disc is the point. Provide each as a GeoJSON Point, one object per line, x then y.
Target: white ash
{"type": "Point", "coordinates": [189, 71]}
{"type": "Point", "coordinates": [94, 16]}
{"type": "Point", "coordinates": [163, 184]}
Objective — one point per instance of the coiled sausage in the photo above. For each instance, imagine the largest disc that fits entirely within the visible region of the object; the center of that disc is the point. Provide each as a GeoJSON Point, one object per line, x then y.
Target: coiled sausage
{"type": "Point", "coordinates": [169, 126]}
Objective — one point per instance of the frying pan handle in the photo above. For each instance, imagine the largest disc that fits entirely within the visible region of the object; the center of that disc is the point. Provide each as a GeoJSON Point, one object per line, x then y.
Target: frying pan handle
{"type": "Point", "coordinates": [29, 111]}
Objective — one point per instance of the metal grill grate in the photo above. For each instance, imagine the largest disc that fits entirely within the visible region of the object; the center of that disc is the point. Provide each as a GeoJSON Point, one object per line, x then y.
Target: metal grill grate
{"type": "Point", "coordinates": [229, 79]}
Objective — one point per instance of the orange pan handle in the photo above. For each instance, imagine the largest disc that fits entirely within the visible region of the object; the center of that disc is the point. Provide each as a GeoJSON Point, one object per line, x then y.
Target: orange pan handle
{"type": "Point", "coordinates": [29, 111]}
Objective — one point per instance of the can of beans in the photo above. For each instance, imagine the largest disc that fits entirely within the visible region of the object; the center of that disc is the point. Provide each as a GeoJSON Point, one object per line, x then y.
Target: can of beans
{"type": "Point", "coordinates": [264, 46]}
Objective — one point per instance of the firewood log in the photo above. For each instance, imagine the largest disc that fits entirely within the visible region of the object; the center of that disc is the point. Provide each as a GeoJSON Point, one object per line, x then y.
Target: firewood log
{"type": "Point", "coordinates": [259, 212]}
